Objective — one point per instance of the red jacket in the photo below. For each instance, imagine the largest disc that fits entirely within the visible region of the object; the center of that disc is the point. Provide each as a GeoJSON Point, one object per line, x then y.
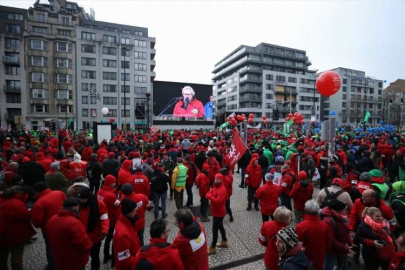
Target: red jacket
{"type": "Point", "coordinates": [351, 180]}
{"type": "Point", "coordinates": [78, 169]}
{"type": "Point", "coordinates": [301, 195]}
{"type": "Point", "coordinates": [191, 242]}
{"type": "Point", "coordinates": [17, 220]}
{"type": "Point", "coordinates": [217, 195]}
{"type": "Point", "coordinates": [214, 168]}
{"type": "Point", "coordinates": [126, 244]}
{"type": "Point", "coordinates": [48, 205]}
{"type": "Point", "coordinates": [253, 175]}
{"type": "Point", "coordinates": [86, 154]}
{"type": "Point", "coordinates": [160, 255]}
{"type": "Point", "coordinates": [228, 186]}
{"type": "Point", "coordinates": [67, 145]}
{"type": "Point", "coordinates": [109, 197]}
{"type": "Point", "coordinates": [203, 183]}
{"type": "Point", "coordinates": [103, 223]}
{"type": "Point", "coordinates": [140, 183]}
{"type": "Point", "coordinates": [179, 111]}
{"type": "Point", "coordinates": [44, 162]}
{"type": "Point", "coordinates": [69, 242]}
{"type": "Point", "coordinates": [141, 201]}
{"type": "Point", "coordinates": [362, 186]}
{"type": "Point", "coordinates": [397, 260]}
{"type": "Point", "coordinates": [287, 181]}
{"type": "Point", "coordinates": [268, 239]}
{"type": "Point", "coordinates": [124, 174]}
{"type": "Point", "coordinates": [268, 195]}
{"type": "Point", "coordinates": [191, 173]}
{"type": "Point", "coordinates": [314, 234]}
{"type": "Point", "coordinates": [357, 210]}
{"type": "Point", "coordinates": [338, 233]}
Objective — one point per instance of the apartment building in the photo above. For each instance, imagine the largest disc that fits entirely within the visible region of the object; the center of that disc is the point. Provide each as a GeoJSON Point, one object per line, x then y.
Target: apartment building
{"type": "Point", "coordinates": [393, 103]}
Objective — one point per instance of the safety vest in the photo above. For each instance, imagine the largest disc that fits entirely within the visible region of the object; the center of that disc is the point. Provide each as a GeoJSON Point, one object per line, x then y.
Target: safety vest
{"type": "Point", "coordinates": [181, 176]}
{"type": "Point", "coordinates": [384, 188]}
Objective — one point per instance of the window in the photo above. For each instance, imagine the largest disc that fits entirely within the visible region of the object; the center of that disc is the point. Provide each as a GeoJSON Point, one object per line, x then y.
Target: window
{"type": "Point", "coordinates": [41, 108]}
{"type": "Point", "coordinates": [125, 64]}
{"type": "Point", "coordinates": [65, 109]}
{"type": "Point", "coordinates": [344, 96]}
{"type": "Point", "coordinates": [109, 75]}
{"type": "Point", "coordinates": [88, 61]}
{"type": "Point", "coordinates": [125, 52]}
{"type": "Point", "coordinates": [85, 112]}
{"type": "Point", "coordinates": [380, 84]}
{"type": "Point", "coordinates": [344, 81]}
{"type": "Point", "coordinates": [41, 17]}
{"type": "Point", "coordinates": [89, 48]}
{"type": "Point", "coordinates": [231, 98]}
{"type": "Point", "coordinates": [12, 29]}
{"type": "Point", "coordinates": [140, 67]}
{"type": "Point", "coordinates": [64, 78]}
{"type": "Point", "coordinates": [40, 93]}
{"type": "Point", "coordinates": [124, 31]}
{"type": "Point", "coordinates": [85, 100]}
{"type": "Point", "coordinates": [112, 39]}
{"type": "Point", "coordinates": [64, 63]}
{"type": "Point", "coordinates": [140, 43]}
{"type": "Point", "coordinates": [41, 30]}
{"type": "Point", "coordinates": [140, 90]}
{"type": "Point", "coordinates": [269, 87]}
{"type": "Point", "coordinates": [140, 55]}
{"type": "Point", "coordinates": [140, 78]}
{"type": "Point", "coordinates": [125, 101]}
{"type": "Point", "coordinates": [39, 77]}
{"type": "Point", "coordinates": [12, 42]}
{"type": "Point", "coordinates": [37, 44]}
{"type": "Point", "coordinates": [109, 88]}
{"type": "Point", "coordinates": [269, 77]}
{"type": "Point", "coordinates": [292, 79]}
{"type": "Point", "coordinates": [87, 86]}
{"type": "Point", "coordinates": [232, 107]}
{"type": "Point", "coordinates": [127, 113]}
{"type": "Point", "coordinates": [12, 70]}
{"type": "Point", "coordinates": [280, 78]}
{"type": "Point", "coordinates": [15, 16]}
{"type": "Point", "coordinates": [88, 36]}
{"type": "Point", "coordinates": [344, 89]}
{"type": "Point", "coordinates": [63, 32]}
{"type": "Point", "coordinates": [63, 94]}
{"type": "Point", "coordinates": [109, 100]}
{"type": "Point", "coordinates": [269, 96]}
{"type": "Point", "coordinates": [137, 33]}
{"type": "Point", "coordinates": [88, 74]}
{"type": "Point", "coordinates": [39, 61]}
{"type": "Point", "coordinates": [109, 50]}
{"type": "Point", "coordinates": [109, 63]}
{"type": "Point", "coordinates": [13, 85]}
{"type": "Point", "coordinates": [124, 40]}
{"type": "Point", "coordinates": [65, 21]}
{"type": "Point", "coordinates": [125, 77]}
{"type": "Point", "coordinates": [125, 87]}
{"type": "Point", "coordinates": [111, 113]}
{"type": "Point", "coordinates": [64, 47]}
{"type": "Point", "coordinates": [13, 98]}
{"type": "Point", "coordinates": [379, 92]}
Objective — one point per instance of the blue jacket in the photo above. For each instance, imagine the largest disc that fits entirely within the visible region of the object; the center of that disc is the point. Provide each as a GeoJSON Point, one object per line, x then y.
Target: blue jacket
{"type": "Point", "coordinates": [296, 262]}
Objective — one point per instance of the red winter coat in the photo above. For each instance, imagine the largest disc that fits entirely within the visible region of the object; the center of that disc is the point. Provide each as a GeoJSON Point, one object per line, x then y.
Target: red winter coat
{"type": "Point", "coordinates": [126, 244]}
{"type": "Point", "coordinates": [191, 174]}
{"type": "Point", "coordinates": [141, 201]}
{"type": "Point", "coordinates": [140, 183]}
{"type": "Point", "coordinates": [48, 205]}
{"type": "Point", "coordinates": [86, 154]}
{"type": "Point", "coordinates": [351, 180]}
{"type": "Point", "coordinates": [103, 223]}
{"type": "Point", "coordinates": [68, 240]}
{"type": "Point", "coordinates": [338, 233]}
{"type": "Point", "coordinates": [44, 162]}
{"type": "Point", "coordinates": [160, 255]}
{"type": "Point", "coordinates": [268, 239]}
{"type": "Point", "coordinates": [109, 197]}
{"type": "Point", "coordinates": [124, 174]}
{"type": "Point", "coordinates": [362, 186]}
{"type": "Point", "coordinates": [214, 168]}
{"type": "Point", "coordinates": [67, 145]}
{"type": "Point", "coordinates": [78, 169]}
{"type": "Point", "coordinates": [228, 186]}
{"type": "Point", "coordinates": [315, 236]}
{"type": "Point", "coordinates": [253, 176]}
{"type": "Point", "coordinates": [287, 181]}
{"type": "Point", "coordinates": [203, 183]}
{"type": "Point", "coordinates": [396, 261]}
{"type": "Point", "coordinates": [17, 220]}
{"type": "Point", "coordinates": [217, 195]}
{"type": "Point", "coordinates": [301, 195]}
{"type": "Point", "coordinates": [268, 195]}
{"type": "Point", "coordinates": [191, 242]}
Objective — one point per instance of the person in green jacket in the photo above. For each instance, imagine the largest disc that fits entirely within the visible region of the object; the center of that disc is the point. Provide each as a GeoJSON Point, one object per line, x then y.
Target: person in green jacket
{"type": "Point", "coordinates": [179, 178]}
{"type": "Point", "coordinates": [268, 154]}
{"type": "Point", "coordinates": [55, 180]}
{"type": "Point", "coordinates": [378, 183]}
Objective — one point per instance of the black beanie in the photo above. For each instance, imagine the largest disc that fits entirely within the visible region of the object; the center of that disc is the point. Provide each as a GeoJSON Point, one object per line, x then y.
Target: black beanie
{"type": "Point", "coordinates": [72, 201]}
{"type": "Point", "coordinates": [127, 189]}
{"type": "Point", "coordinates": [127, 206]}
{"type": "Point", "coordinates": [84, 193]}
{"type": "Point", "coordinates": [337, 205]}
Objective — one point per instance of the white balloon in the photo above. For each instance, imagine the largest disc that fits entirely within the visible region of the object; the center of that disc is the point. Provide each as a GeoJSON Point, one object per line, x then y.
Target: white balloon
{"type": "Point", "coordinates": [104, 110]}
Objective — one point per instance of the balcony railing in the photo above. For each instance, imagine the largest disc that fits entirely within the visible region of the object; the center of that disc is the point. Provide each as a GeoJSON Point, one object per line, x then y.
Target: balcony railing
{"type": "Point", "coordinates": [12, 89]}
{"type": "Point", "coordinates": [250, 89]}
{"type": "Point", "coordinates": [250, 98]}
{"type": "Point", "coordinates": [11, 60]}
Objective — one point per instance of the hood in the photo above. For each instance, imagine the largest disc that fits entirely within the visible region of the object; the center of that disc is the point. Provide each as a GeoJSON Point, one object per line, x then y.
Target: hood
{"type": "Point", "coordinates": [297, 257]}
{"type": "Point", "coordinates": [77, 158]}
{"type": "Point", "coordinates": [192, 231]}
{"type": "Point", "coordinates": [304, 183]}
{"type": "Point", "coordinates": [126, 164]}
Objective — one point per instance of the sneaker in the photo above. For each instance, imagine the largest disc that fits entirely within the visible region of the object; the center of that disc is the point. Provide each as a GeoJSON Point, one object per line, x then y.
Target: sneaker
{"type": "Point", "coordinates": [249, 208]}
{"type": "Point", "coordinates": [231, 219]}
{"type": "Point", "coordinates": [212, 250]}
{"type": "Point", "coordinates": [224, 244]}
{"type": "Point", "coordinates": [256, 207]}
{"type": "Point", "coordinates": [164, 216]}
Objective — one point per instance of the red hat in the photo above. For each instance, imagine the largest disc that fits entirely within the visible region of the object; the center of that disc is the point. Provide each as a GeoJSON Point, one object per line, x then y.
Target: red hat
{"type": "Point", "coordinates": [111, 154]}
{"type": "Point", "coordinates": [145, 155]}
{"type": "Point", "coordinates": [206, 167]}
{"type": "Point", "coordinates": [219, 176]}
{"type": "Point", "coordinates": [110, 179]}
{"type": "Point", "coordinates": [302, 175]}
{"type": "Point", "coordinates": [338, 182]}
{"type": "Point", "coordinates": [26, 159]}
{"type": "Point", "coordinates": [39, 155]}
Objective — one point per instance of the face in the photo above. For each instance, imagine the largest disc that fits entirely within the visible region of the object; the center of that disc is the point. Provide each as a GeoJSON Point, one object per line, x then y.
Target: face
{"type": "Point", "coordinates": [132, 214]}
{"type": "Point", "coordinates": [217, 181]}
{"type": "Point", "coordinates": [398, 242]}
{"type": "Point", "coordinates": [165, 235]}
{"type": "Point", "coordinates": [367, 198]}
{"type": "Point", "coordinates": [188, 94]}
{"type": "Point", "coordinates": [280, 245]}
{"type": "Point", "coordinates": [278, 167]}
{"type": "Point", "coordinates": [377, 217]}
{"type": "Point", "coordinates": [256, 162]}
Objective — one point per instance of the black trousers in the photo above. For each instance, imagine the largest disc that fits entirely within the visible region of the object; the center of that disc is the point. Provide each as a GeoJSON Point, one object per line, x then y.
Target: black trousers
{"type": "Point", "coordinates": [251, 196]}
{"type": "Point", "coordinates": [218, 224]}
{"type": "Point", "coordinates": [49, 257]}
{"type": "Point", "coordinates": [228, 207]}
{"type": "Point", "coordinates": [267, 218]}
{"type": "Point", "coordinates": [107, 245]}
{"type": "Point", "coordinates": [189, 195]}
{"type": "Point", "coordinates": [94, 186]}
{"type": "Point", "coordinates": [178, 198]}
{"type": "Point", "coordinates": [204, 207]}
{"type": "Point", "coordinates": [140, 236]}
{"type": "Point", "coordinates": [95, 256]}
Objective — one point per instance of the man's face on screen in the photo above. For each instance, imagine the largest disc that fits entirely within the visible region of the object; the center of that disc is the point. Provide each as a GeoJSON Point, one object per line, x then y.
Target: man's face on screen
{"type": "Point", "coordinates": [187, 94]}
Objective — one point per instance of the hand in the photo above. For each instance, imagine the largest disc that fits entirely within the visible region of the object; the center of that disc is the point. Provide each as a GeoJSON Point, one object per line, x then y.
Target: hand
{"type": "Point", "coordinates": [378, 245]}
{"type": "Point", "coordinates": [103, 236]}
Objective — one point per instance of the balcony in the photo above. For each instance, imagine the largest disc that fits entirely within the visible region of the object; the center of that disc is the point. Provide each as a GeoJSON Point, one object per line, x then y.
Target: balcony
{"type": "Point", "coordinates": [221, 102]}
{"type": "Point", "coordinates": [245, 89]}
{"type": "Point", "coordinates": [11, 89]}
{"type": "Point", "coordinates": [250, 98]}
{"type": "Point", "coordinates": [284, 109]}
{"type": "Point", "coordinates": [11, 60]}
{"type": "Point", "coordinates": [293, 92]}
{"type": "Point", "coordinates": [251, 78]}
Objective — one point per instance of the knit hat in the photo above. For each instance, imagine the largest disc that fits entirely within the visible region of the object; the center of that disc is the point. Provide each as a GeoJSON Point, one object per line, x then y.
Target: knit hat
{"type": "Point", "coordinates": [72, 201]}
{"type": "Point", "coordinates": [338, 182]}
{"type": "Point", "coordinates": [279, 160]}
{"type": "Point", "coordinates": [26, 159]}
{"type": "Point", "coordinates": [127, 206]}
{"type": "Point", "coordinates": [302, 175]}
{"type": "Point", "coordinates": [269, 177]}
{"type": "Point", "coordinates": [110, 179]}
{"type": "Point", "coordinates": [127, 189]}
{"type": "Point", "coordinates": [149, 161]}
{"type": "Point", "coordinates": [289, 237]}
{"type": "Point", "coordinates": [219, 176]}
{"type": "Point", "coordinates": [365, 176]}
{"type": "Point", "coordinates": [337, 205]}
{"type": "Point", "coordinates": [84, 193]}
{"type": "Point", "coordinates": [206, 167]}
{"type": "Point", "coordinates": [55, 165]}
{"type": "Point", "coordinates": [375, 173]}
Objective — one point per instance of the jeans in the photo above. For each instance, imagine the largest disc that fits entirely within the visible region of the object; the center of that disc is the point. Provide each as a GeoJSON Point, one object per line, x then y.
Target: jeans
{"type": "Point", "coordinates": [95, 256]}
{"type": "Point", "coordinates": [242, 182]}
{"type": "Point", "coordinates": [178, 198]}
{"type": "Point", "coordinates": [16, 257]}
{"type": "Point", "coordinates": [94, 186]}
{"type": "Point", "coordinates": [49, 258]}
{"type": "Point", "coordinates": [204, 207]}
{"type": "Point", "coordinates": [228, 207]}
{"type": "Point", "coordinates": [162, 197]}
{"type": "Point", "coordinates": [217, 224]}
{"type": "Point", "coordinates": [140, 236]}
{"type": "Point", "coordinates": [331, 261]}
{"type": "Point", "coordinates": [189, 195]}
{"type": "Point", "coordinates": [285, 200]}
{"type": "Point", "coordinates": [251, 196]}
{"type": "Point", "coordinates": [107, 245]}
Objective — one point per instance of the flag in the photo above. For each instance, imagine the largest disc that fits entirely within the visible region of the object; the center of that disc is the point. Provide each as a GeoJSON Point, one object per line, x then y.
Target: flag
{"type": "Point", "coordinates": [238, 148]}
{"type": "Point", "coordinates": [224, 125]}
{"type": "Point", "coordinates": [290, 123]}
{"type": "Point", "coordinates": [367, 116]}
{"type": "Point", "coordinates": [230, 116]}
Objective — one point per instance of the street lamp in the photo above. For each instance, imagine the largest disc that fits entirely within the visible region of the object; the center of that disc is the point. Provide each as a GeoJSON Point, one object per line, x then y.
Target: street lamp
{"type": "Point", "coordinates": [124, 49]}
{"type": "Point", "coordinates": [147, 110]}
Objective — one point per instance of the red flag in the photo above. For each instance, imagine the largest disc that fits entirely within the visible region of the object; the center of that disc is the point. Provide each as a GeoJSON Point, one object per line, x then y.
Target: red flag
{"type": "Point", "coordinates": [238, 148]}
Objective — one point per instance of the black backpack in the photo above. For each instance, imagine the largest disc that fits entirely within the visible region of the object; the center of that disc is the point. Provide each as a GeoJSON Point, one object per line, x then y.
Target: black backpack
{"type": "Point", "coordinates": [330, 196]}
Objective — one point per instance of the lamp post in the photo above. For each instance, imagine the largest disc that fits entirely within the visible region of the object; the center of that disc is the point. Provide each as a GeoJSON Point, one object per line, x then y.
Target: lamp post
{"type": "Point", "coordinates": [147, 110]}
{"type": "Point", "coordinates": [124, 49]}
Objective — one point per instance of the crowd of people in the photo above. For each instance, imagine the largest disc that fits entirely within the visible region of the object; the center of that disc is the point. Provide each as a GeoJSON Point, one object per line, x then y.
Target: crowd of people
{"type": "Point", "coordinates": [83, 194]}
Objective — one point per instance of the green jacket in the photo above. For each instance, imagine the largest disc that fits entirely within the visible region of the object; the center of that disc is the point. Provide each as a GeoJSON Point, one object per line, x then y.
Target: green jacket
{"type": "Point", "coordinates": [181, 176]}
{"type": "Point", "coordinates": [269, 155]}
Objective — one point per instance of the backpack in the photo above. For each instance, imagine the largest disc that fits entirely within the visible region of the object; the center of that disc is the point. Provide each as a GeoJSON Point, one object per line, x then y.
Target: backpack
{"type": "Point", "coordinates": [330, 196]}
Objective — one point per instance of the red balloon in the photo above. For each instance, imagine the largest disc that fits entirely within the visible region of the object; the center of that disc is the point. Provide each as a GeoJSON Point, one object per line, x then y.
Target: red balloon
{"type": "Point", "coordinates": [264, 117]}
{"type": "Point", "coordinates": [233, 122]}
{"type": "Point", "coordinates": [290, 115]}
{"type": "Point", "coordinates": [251, 115]}
{"type": "Point", "coordinates": [243, 119]}
{"type": "Point", "coordinates": [302, 122]}
{"type": "Point", "coordinates": [244, 115]}
{"type": "Point", "coordinates": [250, 121]}
{"type": "Point", "coordinates": [112, 120]}
{"type": "Point", "coordinates": [328, 83]}
{"type": "Point", "coordinates": [296, 120]}
{"type": "Point", "coordinates": [265, 122]}
{"type": "Point", "coordinates": [239, 118]}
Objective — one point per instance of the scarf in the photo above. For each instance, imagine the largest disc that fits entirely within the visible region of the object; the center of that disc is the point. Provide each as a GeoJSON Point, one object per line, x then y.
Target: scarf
{"type": "Point", "coordinates": [380, 229]}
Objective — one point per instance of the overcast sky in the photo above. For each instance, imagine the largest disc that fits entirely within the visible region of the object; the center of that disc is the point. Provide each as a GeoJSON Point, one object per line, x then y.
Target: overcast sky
{"type": "Point", "coordinates": [192, 36]}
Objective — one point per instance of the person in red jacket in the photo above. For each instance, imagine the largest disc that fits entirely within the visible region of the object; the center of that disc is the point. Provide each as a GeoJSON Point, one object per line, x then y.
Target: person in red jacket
{"type": "Point", "coordinates": [352, 177]}
{"type": "Point", "coordinates": [44, 162]}
{"type": "Point", "coordinates": [301, 192]}
{"type": "Point", "coordinates": [67, 144]}
{"type": "Point", "coordinates": [47, 205]}
{"type": "Point", "coordinates": [268, 195]}
{"type": "Point", "coordinates": [126, 242]}
{"type": "Point", "coordinates": [18, 229]}
{"type": "Point", "coordinates": [142, 201]}
{"type": "Point", "coordinates": [203, 183]}
{"type": "Point", "coordinates": [314, 234]}
{"type": "Point", "coordinates": [267, 236]}
{"type": "Point", "coordinates": [286, 183]}
{"type": "Point", "coordinates": [94, 216]}
{"type": "Point", "coordinates": [158, 254]}
{"type": "Point", "coordinates": [213, 165]}
{"type": "Point", "coordinates": [188, 106]}
{"type": "Point", "coordinates": [217, 195]}
{"type": "Point", "coordinates": [140, 182]}
{"type": "Point", "coordinates": [191, 241]}
{"type": "Point", "coordinates": [70, 245]}
{"type": "Point", "coordinates": [228, 182]}
{"type": "Point", "coordinates": [87, 152]}
{"type": "Point", "coordinates": [398, 260]}
{"type": "Point", "coordinates": [108, 195]}
{"type": "Point", "coordinates": [77, 167]}
{"type": "Point", "coordinates": [124, 173]}
{"type": "Point", "coordinates": [253, 179]}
